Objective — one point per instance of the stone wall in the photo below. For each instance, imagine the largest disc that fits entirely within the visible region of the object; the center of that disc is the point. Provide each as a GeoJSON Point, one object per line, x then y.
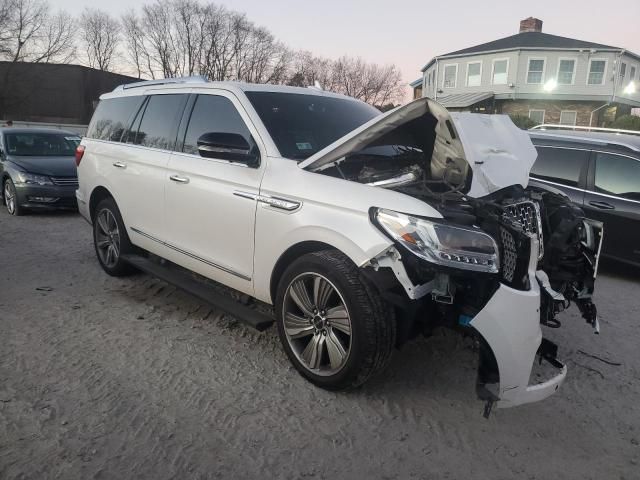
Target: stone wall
{"type": "Point", "coordinates": [552, 110]}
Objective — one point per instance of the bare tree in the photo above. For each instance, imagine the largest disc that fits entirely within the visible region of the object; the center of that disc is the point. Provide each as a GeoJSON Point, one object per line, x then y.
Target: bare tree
{"type": "Point", "coordinates": [30, 33]}
{"type": "Point", "coordinates": [100, 35]}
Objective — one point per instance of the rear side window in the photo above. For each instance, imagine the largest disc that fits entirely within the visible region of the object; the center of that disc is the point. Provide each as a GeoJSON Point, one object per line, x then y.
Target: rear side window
{"type": "Point", "coordinates": [560, 165]}
{"type": "Point", "coordinates": [617, 175]}
{"type": "Point", "coordinates": [112, 116]}
{"type": "Point", "coordinates": [213, 113]}
{"type": "Point", "coordinates": [159, 123]}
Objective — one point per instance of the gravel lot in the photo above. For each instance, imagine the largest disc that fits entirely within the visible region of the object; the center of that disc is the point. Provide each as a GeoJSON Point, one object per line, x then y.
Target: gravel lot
{"type": "Point", "coordinates": [131, 378]}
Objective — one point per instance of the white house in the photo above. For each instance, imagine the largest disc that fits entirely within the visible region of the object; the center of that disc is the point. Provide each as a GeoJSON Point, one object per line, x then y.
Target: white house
{"type": "Point", "coordinates": [549, 78]}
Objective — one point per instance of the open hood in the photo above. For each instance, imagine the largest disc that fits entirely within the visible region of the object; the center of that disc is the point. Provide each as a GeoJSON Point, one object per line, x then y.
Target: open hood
{"type": "Point", "coordinates": [498, 153]}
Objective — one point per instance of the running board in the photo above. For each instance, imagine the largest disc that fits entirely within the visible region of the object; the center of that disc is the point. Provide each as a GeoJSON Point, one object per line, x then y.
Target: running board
{"type": "Point", "coordinates": [185, 280]}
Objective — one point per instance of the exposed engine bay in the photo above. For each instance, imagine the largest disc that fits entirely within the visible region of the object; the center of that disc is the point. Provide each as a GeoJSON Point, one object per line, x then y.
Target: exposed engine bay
{"type": "Point", "coordinates": [498, 233]}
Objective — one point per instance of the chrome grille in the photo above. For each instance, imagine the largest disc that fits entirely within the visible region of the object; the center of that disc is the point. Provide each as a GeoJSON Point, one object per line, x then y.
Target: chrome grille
{"type": "Point", "coordinates": [509, 255]}
{"type": "Point", "coordinates": [65, 181]}
{"type": "Point", "coordinates": [527, 214]}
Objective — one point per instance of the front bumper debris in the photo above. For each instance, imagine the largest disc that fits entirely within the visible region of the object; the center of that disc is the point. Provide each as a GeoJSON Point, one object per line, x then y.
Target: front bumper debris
{"type": "Point", "coordinates": [510, 325]}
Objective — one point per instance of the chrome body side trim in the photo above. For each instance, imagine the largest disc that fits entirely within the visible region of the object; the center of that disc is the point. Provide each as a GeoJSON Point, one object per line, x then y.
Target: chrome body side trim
{"type": "Point", "coordinates": [189, 254]}
{"type": "Point", "coordinates": [275, 202]}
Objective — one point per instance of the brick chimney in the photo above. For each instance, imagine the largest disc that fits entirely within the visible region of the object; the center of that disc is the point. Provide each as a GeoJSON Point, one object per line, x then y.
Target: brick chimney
{"type": "Point", "coordinates": [531, 25]}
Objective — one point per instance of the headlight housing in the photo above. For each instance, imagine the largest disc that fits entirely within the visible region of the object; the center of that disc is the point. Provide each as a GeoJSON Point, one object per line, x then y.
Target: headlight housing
{"type": "Point", "coordinates": [33, 179]}
{"type": "Point", "coordinates": [442, 244]}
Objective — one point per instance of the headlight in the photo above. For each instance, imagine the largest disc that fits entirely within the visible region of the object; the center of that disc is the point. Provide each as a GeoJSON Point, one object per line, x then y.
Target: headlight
{"type": "Point", "coordinates": [457, 247]}
{"type": "Point", "coordinates": [33, 179]}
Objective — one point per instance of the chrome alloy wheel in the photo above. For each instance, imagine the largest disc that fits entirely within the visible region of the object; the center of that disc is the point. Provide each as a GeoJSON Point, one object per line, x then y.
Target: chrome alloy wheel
{"type": "Point", "coordinates": [10, 197]}
{"type": "Point", "coordinates": [107, 238]}
{"type": "Point", "coordinates": [317, 324]}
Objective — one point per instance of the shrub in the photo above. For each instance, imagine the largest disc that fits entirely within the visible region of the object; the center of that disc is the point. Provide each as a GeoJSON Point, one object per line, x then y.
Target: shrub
{"type": "Point", "coordinates": [522, 122]}
{"type": "Point", "coordinates": [626, 122]}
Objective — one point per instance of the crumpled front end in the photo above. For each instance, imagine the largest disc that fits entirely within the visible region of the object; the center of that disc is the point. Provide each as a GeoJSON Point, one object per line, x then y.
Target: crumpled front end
{"type": "Point", "coordinates": [548, 255]}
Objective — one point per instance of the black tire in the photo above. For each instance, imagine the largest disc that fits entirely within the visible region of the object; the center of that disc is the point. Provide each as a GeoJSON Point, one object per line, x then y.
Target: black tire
{"type": "Point", "coordinates": [114, 266]}
{"type": "Point", "coordinates": [12, 204]}
{"type": "Point", "coordinates": [372, 321]}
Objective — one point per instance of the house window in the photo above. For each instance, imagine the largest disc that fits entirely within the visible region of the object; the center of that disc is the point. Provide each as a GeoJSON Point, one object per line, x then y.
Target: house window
{"type": "Point", "coordinates": [450, 76]}
{"type": "Point", "coordinates": [566, 71]}
{"type": "Point", "coordinates": [537, 116]}
{"type": "Point", "coordinates": [596, 72]}
{"type": "Point", "coordinates": [474, 74]}
{"type": "Point", "coordinates": [632, 74]}
{"type": "Point", "coordinates": [535, 74]}
{"type": "Point", "coordinates": [623, 71]}
{"type": "Point", "coordinates": [500, 72]}
{"type": "Point", "coordinates": [568, 117]}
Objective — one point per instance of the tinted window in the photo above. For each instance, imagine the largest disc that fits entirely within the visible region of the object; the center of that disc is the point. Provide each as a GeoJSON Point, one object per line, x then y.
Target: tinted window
{"type": "Point", "coordinates": [41, 144]}
{"type": "Point", "coordinates": [618, 175]}
{"type": "Point", "coordinates": [112, 116]}
{"type": "Point", "coordinates": [301, 125]}
{"type": "Point", "coordinates": [160, 121]}
{"type": "Point", "coordinates": [559, 165]}
{"type": "Point", "coordinates": [212, 113]}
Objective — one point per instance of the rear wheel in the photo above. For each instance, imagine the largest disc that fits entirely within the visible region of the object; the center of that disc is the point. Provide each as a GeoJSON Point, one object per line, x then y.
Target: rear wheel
{"type": "Point", "coordinates": [11, 198]}
{"type": "Point", "coordinates": [110, 239]}
{"type": "Point", "coordinates": [332, 323]}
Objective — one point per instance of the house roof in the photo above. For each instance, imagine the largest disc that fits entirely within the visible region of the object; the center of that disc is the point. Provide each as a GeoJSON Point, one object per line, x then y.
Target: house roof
{"type": "Point", "coordinates": [462, 100]}
{"type": "Point", "coordinates": [529, 40]}
{"type": "Point", "coordinates": [416, 83]}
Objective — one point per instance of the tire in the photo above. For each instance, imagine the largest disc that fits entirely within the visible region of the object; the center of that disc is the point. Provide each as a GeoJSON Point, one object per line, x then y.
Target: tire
{"type": "Point", "coordinates": [110, 239]}
{"type": "Point", "coordinates": [10, 198]}
{"type": "Point", "coordinates": [338, 301]}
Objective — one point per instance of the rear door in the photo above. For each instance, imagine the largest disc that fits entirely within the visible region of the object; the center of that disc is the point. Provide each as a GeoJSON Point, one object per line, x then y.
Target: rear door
{"type": "Point", "coordinates": [141, 168]}
{"type": "Point", "coordinates": [211, 203]}
{"type": "Point", "coordinates": [564, 168]}
{"type": "Point", "coordinates": [613, 197]}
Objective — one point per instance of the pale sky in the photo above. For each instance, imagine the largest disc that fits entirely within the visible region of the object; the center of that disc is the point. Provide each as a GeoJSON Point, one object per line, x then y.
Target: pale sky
{"type": "Point", "coordinates": [409, 34]}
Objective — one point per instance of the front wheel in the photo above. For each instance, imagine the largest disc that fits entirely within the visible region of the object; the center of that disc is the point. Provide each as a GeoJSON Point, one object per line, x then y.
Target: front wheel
{"type": "Point", "coordinates": [11, 198]}
{"type": "Point", "coordinates": [110, 239]}
{"type": "Point", "coordinates": [332, 323]}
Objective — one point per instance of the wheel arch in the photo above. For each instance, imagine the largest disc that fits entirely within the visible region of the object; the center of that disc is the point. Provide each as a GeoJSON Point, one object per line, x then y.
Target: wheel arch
{"type": "Point", "coordinates": [97, 195]}
{"type": "Point", "coordinates": [291, 253]}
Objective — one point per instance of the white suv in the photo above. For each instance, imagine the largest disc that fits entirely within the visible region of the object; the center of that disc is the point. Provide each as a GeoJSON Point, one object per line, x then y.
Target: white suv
{"type": "Point", "coordinates": [362, 229]}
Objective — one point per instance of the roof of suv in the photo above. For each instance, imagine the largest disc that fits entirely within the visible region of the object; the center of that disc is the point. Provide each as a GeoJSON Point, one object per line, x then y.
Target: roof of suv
{"type": "Point", "coordinates": [603, 139]}
{"type": "Point", "coordinates": [37, 130]}
{"type": "Point", "coordinates": [142, 88]}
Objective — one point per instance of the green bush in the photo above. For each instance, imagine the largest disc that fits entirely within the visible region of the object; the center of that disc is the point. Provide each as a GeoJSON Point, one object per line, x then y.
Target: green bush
{"type": "Point", "coordinates": [626, 122]}
{"type": "Point", "coordinates": [522, 121]}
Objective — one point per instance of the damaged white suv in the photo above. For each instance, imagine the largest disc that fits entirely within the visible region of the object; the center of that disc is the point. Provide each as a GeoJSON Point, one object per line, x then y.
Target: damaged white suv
{"type": "Point", "coordinates": [362, 229]}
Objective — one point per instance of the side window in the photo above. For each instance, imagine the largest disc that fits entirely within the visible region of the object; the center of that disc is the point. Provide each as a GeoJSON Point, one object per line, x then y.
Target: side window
{"type": "Point", "coordinates": [560, 165]}
{"type": "Point", "coordinates": [160, 121]}
{"type": "Point", "coordinates": [112, 116]}
{"type": "Point", "coordinates": [617, 175]}
{"type": "Point", "coordinates": [213, 113]}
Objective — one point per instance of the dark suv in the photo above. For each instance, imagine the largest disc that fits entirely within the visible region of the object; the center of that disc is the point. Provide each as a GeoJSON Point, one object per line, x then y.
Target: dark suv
{"type": "Point", "coordinates": [599, 171]}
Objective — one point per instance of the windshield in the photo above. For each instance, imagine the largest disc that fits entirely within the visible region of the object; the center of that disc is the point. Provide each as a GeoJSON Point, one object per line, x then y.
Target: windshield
{"type": "Point", "coordinates": [302, 125]}
{"type": "Point", "coordinates": [35, 144]}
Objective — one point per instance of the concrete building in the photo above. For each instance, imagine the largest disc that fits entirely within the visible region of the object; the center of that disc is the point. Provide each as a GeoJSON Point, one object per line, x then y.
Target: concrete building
{"type": "Point", "coordinates": [549, 78]}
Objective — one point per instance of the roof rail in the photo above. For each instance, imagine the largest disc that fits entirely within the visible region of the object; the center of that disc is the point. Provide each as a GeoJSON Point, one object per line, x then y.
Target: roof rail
{"type": "Point", "coordinates": [163, 81]}
{"type": "Point", "coordinates": [552, 126]}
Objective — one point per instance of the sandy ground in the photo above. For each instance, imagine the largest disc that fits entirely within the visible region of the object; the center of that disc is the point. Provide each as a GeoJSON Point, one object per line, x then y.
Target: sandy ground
{"type": "Point", "coordinates": [131, 378]}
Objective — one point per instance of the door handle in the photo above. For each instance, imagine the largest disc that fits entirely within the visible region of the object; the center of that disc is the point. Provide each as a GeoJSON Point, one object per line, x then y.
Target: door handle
{"type": "Point", "coordinates": [119, 165]}
{"type": "Point", "coordinates": [178, 179]}
{"type": "Point", "coordinates": [602, 205]}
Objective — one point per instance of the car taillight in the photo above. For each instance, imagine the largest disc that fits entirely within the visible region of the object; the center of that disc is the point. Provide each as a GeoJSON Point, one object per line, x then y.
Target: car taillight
{"type": "Point", "coordinates": [79, 154]}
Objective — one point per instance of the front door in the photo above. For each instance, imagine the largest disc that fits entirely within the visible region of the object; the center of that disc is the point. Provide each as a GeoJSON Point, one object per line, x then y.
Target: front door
{"type": "Point", "coordinates": [613, 197]}
{"type": "Point", "coordinates": [210, 203]}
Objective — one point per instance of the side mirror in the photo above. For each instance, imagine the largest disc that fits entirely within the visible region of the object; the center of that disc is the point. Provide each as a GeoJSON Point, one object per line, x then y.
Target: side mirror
{"type": "Point", "coordinates": [227, 146]}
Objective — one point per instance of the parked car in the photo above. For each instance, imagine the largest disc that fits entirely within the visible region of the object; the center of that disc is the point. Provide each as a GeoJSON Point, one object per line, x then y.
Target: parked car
{"type": "Point", "coordinates": [362, 229]}
{"type": "Point", "coordinates": [600, 172]}
{"type": "Point", "coordinates": [37, 169]}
